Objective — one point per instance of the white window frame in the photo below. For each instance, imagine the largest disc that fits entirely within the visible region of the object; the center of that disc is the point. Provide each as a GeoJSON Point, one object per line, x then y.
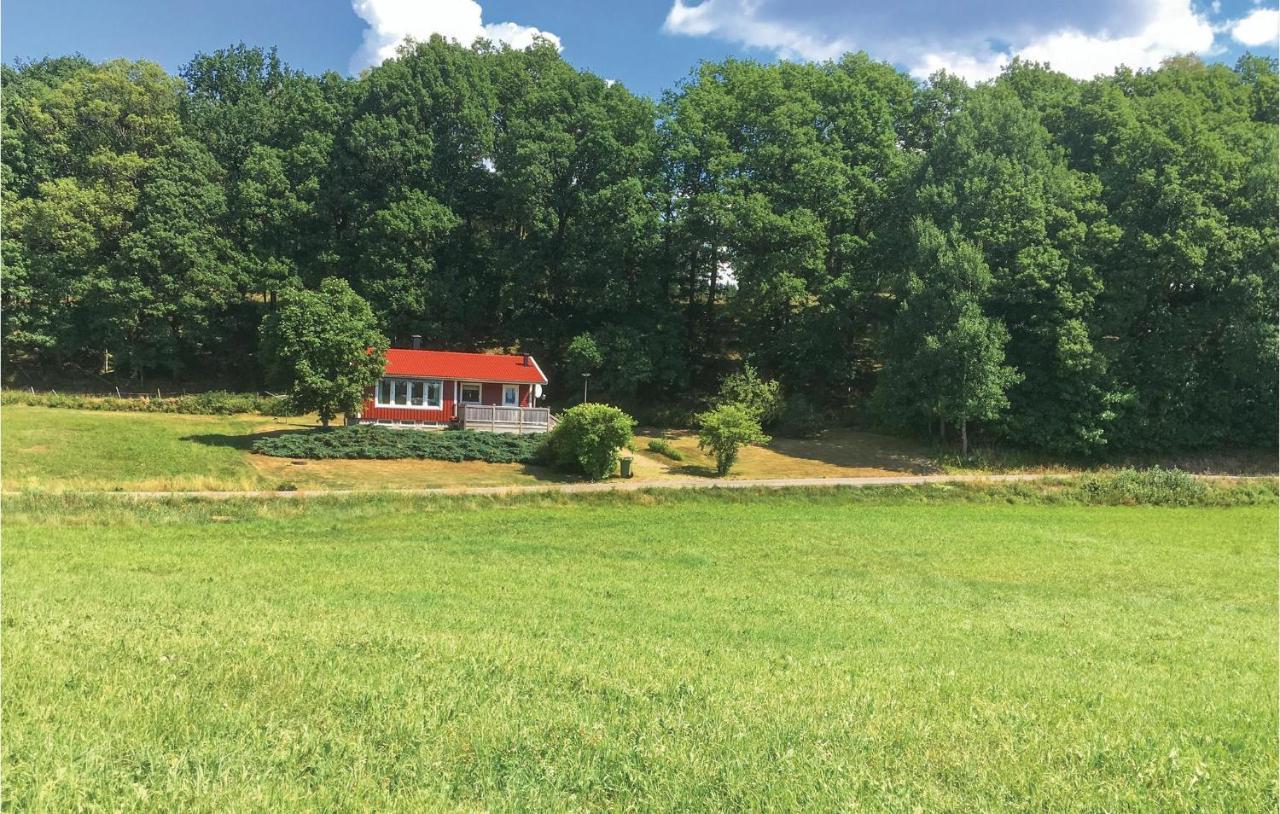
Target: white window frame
{"type": "Point", "coordinates": [412, 387]}
{"type": "Point", "coordinates": [479, 390]}
{"type": "Point", "coordinates": [511, 388]}
{"type": "Point", "coordinates": [439, 402]}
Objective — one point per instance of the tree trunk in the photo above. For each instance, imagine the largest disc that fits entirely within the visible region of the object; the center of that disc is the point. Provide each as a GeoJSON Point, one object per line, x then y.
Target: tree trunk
{"type": "Point", "coordinates": [964, 437]}
{"type": "Point", "coordinates": [324, 421]}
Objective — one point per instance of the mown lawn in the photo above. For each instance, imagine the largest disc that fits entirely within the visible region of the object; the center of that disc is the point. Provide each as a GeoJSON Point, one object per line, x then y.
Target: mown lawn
{"type": "Point", "coordinates": [57, 450]}
{"type": "Point", "coordinates": [825, 651]}
{"type": "Point", "coordinates": [47, 448]}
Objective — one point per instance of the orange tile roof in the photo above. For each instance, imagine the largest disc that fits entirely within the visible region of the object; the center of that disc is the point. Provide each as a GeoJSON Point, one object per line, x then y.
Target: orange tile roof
{"type": "Point", "coordinates": [485, 367]}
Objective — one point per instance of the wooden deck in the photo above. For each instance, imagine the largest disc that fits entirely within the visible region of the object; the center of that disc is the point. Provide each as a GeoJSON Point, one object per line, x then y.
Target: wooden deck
{"type": "Point", "coordinates": [517, 420]}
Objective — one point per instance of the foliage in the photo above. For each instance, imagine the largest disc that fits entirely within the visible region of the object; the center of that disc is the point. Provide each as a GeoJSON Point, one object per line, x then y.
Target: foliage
{"type": "Point", "coordinates": [371, 441]}
{"type": "Point", "coordinates": [726, 429]}
{"type": "Point", "coordinates": [663, 447]}
{"type": "Point", "coordinates": [944, 357]}
{"type": "Point", "coordinates": [1080, 267]}
{"type": "Point", "coordinates": [588, 437]}
{"type": "Point", "coordinates": [326, 347]}
{"type": "Point", "coordinates": [582, 356]}
{"type": "Point", "coordinates": [213, 402]}
{"type": "Point", "coordinates": [801, 418]}
{"type": "Point", "coordinates": [1144, 487]}
{"type": "Point", "coordinates": [761, 397]}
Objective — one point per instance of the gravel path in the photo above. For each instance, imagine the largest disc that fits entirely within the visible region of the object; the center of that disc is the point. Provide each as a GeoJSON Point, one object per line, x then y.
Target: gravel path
{"type": "Point", "coordinates": [614, 485]}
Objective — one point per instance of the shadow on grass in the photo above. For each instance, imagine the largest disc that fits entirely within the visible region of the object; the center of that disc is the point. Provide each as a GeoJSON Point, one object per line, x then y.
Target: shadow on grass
{"type": "Point", "coordinates": [844, 449]}
{"type": "Point", "coordinates": [243, 441]}
{"type": "Point", "coordinates": [695, 470]}
{"type": "Point", "coordinates": [859, 450]}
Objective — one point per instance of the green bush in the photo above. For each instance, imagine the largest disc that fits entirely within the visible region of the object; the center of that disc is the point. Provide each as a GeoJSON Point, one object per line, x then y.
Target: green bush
{"type": "Point", "coordinates": [663, 447]}
{"type": "Point", "coordinates": [725, 430]}
{"type": "Point", "coordinates": [588, 437]}
{"type": "Point", "coordinates": [761, 397]}
{"type": "Point", "coordinates": [374, 442]}
{"type": "Point", "coordinates": [214, 402]}
{"type": "Point", "coordinates": [1146, 487]}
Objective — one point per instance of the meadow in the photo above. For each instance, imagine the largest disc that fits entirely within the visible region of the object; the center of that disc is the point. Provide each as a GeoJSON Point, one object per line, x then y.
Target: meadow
{"type": "Point", "coordinates": [936, 649]}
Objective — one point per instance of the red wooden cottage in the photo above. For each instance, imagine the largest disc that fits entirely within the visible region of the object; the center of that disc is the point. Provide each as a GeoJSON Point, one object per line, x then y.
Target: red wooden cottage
{"type": "Point", "coordinates": [432, 389]}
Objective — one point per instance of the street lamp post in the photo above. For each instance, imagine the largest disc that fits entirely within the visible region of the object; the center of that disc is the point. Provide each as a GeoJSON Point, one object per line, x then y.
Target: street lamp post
{"type": "Point", "coordinates": [585, 376]}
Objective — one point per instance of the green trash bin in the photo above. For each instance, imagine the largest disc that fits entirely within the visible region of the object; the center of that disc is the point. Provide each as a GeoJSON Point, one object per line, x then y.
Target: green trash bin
{"type": "Point", "coordinates": [624, 464]}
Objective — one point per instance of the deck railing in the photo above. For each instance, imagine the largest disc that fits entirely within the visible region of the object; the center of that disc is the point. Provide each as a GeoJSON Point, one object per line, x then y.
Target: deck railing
{"type": "Point", "coordinates": [495, 418]}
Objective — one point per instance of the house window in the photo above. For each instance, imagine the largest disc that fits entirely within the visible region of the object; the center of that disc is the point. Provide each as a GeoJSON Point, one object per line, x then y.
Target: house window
{"type": "Point", "coordinates": [470, 393]}
{"type": "Point", "coordinates": [510, 395]}
{"type": "Point", "coordinates": [433, 391]}
{"type": "Point", "coordinates": [423, 394]}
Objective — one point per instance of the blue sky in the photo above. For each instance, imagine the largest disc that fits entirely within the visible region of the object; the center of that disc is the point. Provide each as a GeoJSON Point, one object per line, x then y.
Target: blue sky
{"type": "Point", "coordinates": [649, 45]}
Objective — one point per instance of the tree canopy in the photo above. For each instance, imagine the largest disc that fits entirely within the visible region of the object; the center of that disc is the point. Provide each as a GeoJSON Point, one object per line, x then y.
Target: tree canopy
{"type": "Point", "coordinates": [1075, 266]}
{"type": "Point", "coordinates": [325, 347]}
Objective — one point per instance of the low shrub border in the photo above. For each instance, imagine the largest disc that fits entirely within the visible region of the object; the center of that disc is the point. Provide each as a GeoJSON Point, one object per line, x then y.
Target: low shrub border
{"type": "Point", "coordinates": [214, 402]}
{"type": "Point", "coordinates": [663, 447]}
{"type": "Point", "coordinates": [382, 443]}
{"type": "Point", "coordinates": [1143, 487]}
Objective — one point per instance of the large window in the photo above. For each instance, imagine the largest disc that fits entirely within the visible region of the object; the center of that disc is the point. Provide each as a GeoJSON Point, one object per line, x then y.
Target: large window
{"type": "Point", "coordinates": [421, 393]}
{"type": "Point", "coordinates": [510, 395]}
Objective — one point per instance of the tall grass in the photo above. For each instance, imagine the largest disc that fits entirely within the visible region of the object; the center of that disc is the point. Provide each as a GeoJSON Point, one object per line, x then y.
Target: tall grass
{"type": "Point", "coordinates": [809, 650]}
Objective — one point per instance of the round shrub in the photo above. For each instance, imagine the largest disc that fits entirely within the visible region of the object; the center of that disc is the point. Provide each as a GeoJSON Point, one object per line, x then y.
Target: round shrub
{"type": "Point", "coordinates": [761, 397]}
{"type": "Point", "coordinates": [588, 438]}
{"type": "Point", "coordinates": [725, 430]}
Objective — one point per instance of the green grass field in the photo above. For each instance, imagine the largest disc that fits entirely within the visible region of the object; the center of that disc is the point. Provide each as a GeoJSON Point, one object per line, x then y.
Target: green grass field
{"type": "Point", "coordinates": [57, 450]}
{"type": "Point", "coordinates": [818, 651]}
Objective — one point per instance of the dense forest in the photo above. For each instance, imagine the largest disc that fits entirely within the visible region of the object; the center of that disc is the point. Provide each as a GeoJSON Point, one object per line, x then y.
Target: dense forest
{"type": "Point", "coordinates": [1072, 266]}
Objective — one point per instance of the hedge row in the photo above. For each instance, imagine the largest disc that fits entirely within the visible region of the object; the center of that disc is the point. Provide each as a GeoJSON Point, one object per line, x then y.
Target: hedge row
{"type": "Point", "coordinates": [1144, 487]}
{"type": "Point", "coordinates": [214, 402]}
{"type": "Point", "coordinates": [374, 442]}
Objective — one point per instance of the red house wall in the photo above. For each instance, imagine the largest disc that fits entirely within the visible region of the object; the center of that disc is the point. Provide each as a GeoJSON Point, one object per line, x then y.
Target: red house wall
{"type": "Point", "coordinates": [490, 393]}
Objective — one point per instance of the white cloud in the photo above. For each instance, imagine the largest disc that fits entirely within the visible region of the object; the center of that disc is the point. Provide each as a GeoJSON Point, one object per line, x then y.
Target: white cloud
{"type": "Point", "coordinates": [974, 40]}
{"type": "Point", "coordinates": [1261, 27]}
{"type": "Point", "coordinates": [391, 21]}
{"type": "Point", "coordinates": [738, 20]}
{"type": "Point", "coordinates": [1174, 28]}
